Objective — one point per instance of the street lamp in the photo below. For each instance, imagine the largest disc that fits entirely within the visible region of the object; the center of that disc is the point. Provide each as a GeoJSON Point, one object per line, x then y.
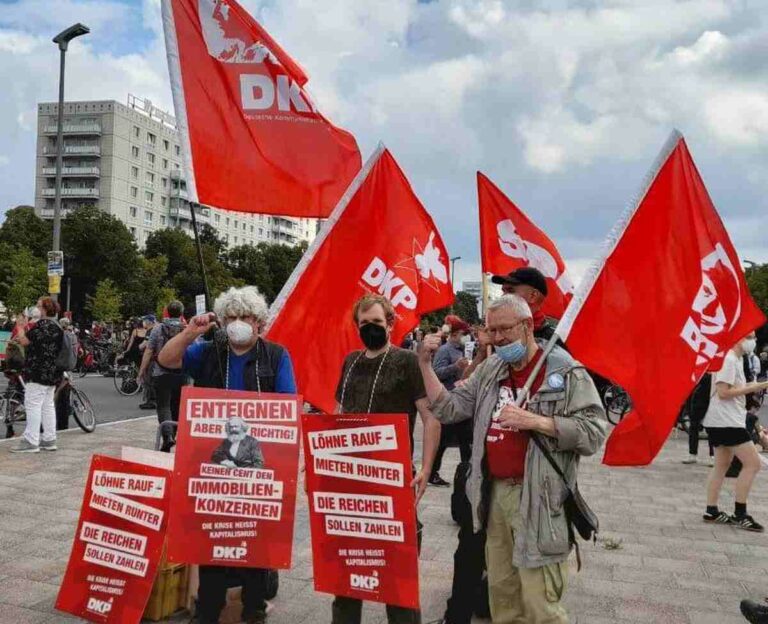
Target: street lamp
{"type": "Point", "coordinates": [62, 40]}
{"type": "Point", "coordinates": [751, 263]}
{"type": "Point", "coordinates": [453, 263]}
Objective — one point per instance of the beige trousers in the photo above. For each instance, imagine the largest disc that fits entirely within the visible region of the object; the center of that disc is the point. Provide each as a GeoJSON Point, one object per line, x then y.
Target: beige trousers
{"type": "Point", "coordinates": [519, 595]}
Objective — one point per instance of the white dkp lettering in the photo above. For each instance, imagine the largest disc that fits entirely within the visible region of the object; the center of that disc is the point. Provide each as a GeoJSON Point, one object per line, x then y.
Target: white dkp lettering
{"type": "Point", "coordinates": [99, 606]}
{"type": "Point", "coordinates": [229, 552]}
{"type": "Point", "coordinates": [384, 280]}
{"type": "Point", "coordinates": [709, 318]}
{"type": "Point", "coordinates": [258, 91]}
{"type": "Point", "coordinates": [367, 583]}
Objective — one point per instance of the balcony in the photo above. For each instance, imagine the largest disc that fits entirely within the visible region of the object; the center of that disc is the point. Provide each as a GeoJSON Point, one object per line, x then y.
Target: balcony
{"type": "Point", "coordinates": [180, 212]}
{"type": "Point", "coordinates": [72, 192]}
{"type": "Point", "coordinates": [74, 150]}
{"type": "Point", "coordinates": [75, 128]}
{"type": "Point", "coordinates": [86, 172]}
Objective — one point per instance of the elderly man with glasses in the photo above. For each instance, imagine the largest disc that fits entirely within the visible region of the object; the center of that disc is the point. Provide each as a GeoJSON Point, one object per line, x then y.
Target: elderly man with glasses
{"type": "Point", "coordinates": [514, 492]}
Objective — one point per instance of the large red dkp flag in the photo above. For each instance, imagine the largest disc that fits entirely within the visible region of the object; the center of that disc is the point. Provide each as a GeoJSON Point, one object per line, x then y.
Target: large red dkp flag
{"type": "Point", "coordinates": [509, 241]}
{"type": "Point", "coordinates": [664, 303]}
{"type": "Point", "coordinates": [361, 507]}
{"type": "Point", "coordinates": [118, 542]}
{"type": "Point", "coordinates": [234, 505]}
{"type": "Point", "coordinates": [380, 239]}
{"type": "Point", "coordinates": [257, 142]}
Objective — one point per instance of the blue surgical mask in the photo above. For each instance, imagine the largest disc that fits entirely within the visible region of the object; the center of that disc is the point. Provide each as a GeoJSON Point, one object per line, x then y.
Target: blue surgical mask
{"type": "Point", "coordinates": [512, 353]}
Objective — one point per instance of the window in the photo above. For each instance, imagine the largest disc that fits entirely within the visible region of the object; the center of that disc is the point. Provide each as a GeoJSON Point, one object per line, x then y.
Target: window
{"type": "Point", "coordinates": [235, 223]}
{"type": "Point", "coordinates": [133, 231]}
{"type": "Point", "coordinates": [135, 173]}
{"type": "Point", "coordinates": [151, 138]}
{"type": "Point", "coordinates": [251, 229]}
{"type": "Point", "coordinates": [162, 220]}
{"type": "Point", "coordinates": [148, 197]}
{"type": "Point", "coordinates": [227, 222]}
{"type": "Point", "coordinates": [217, 218]}
{"type": "Point", "coordinates": [134, 151]}
{"type": "Point", "coordinates": [235, 240]}
{"type": "Point", "coordinates": [136, 131]}
{"type": "Point", "coordinates": [150, 178]}
{"type": "Point", "coordinates": [165, 163]}
{"type": "Point", "coordinates": [166, 145]}
{"type": "Point", "coordinates": [148, 217]}
{"type": "Point", "coordinates": [177, 150]}
{"type": "Point", "coordinates": [244, 227]}
{"type": "Point", "coordinates": [164, 182]}
{"type": "Point", "coordinates": [261, 231]}
{"type": "Point", "coordinates": [134, 192]}
{"type": "Point", "coordinates": [151, 158]}
{"type": "Point", "coordinates": [261, 217]}
{"type": "Point", "coordinates": [132, 211]}
{"type": "Point", "coordinates": [163, 200]}
{"type": "Point", "coordinates": [176, 165]}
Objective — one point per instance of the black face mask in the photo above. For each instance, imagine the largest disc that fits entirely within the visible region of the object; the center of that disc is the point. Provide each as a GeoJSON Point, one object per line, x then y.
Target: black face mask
{"type": "Point", "coordinates": [374, 336]}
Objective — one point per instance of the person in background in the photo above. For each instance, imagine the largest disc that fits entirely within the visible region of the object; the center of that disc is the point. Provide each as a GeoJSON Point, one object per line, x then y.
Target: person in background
{"type": "Point", "coordinates": [148, 391]}
{"type": "Point", "coordinates": [62, 396]}
{"type": "Point", "coordinates": [449, 364]}
{"type": "Point", "coordinates": [531, 285]}
{"type": "Point", "coordinates": [383, 379]}
{"type": "Point", "coordinates": [726, 425]}
{"type": "Point", "coordinates": [697, 405]}
{"type": "Point", "coordinates": [42, 344]}
{"type": "Point", "coordinates": [235, 358]}
{"type": "Point", "coordinates": [167, 382]}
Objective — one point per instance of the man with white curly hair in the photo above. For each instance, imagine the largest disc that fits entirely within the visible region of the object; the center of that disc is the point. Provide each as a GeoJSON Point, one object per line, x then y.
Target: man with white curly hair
{"type": "Point", "coordinates": [235, 357]}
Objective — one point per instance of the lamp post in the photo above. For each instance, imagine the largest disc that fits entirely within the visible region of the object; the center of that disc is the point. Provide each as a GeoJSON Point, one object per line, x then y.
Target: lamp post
{"type": "Point", "coordinates": [453, 264]}
{"type": "Point", "coordinates": [62, 40]}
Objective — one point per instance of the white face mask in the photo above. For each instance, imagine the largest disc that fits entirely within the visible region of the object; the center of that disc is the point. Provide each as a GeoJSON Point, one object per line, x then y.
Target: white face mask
{"type": "Point", "coordinates": [239, 332]}
{"type": "Point", "coordinates": [749, 345]}
{"type": "Point", "coordinates": [464, 340]}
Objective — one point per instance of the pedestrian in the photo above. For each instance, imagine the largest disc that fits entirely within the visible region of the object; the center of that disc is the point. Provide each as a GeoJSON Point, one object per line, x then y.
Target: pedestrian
{"type": "Point", "coordinates": [42, 344]}
{"type": "Point", "coordinates": [726, 425]}
{"type": "Point", "coordinates": [147, 390]}
{"type": "Point", "coordinates": [167, 383]}
{"type": "Point", "coordinates": [514, 491]}
{"type": "Point", "coordinates": [530, 284]}
{"type": "Point", "coordinates": [763, 364]}
{"type": "Point", "coordinates": [384, 379]}
{"type": "Point", "coordinates": [236, 357]}
{"type": "Point", "coordinates": [62, 394]}
{"type": "Point", "coordinates": [697, 405]}
{"type": "Point", "coordinates": [449, 364]}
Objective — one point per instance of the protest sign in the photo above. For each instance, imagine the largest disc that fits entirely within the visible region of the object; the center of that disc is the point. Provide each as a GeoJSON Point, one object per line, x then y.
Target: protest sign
{"type": "Point", "coordinates": [362, 514]}
{"type": "Point", "coordinates": [234, 489]}
{"type": "Point", "coordinates": [118, 542]}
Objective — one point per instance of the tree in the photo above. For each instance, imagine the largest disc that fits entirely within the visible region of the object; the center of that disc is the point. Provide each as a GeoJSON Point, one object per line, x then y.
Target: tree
{"type": "Point", "coordinates": [209, 236]}
{"type": "Point", "coordinates": [105, 303]}
{"type": "Point", "coordinates": [97, 246]}
{"type": "Point", "coordinates": [757, 280]}
{"type": "Point", "coordinates": [144, 288]}
{"type": "Point", "coordinates": [266, 266]}
{"type": "Point", "coordinates": [25, 279]}
{"type": "Point", "coordinates": [465, 307]}
{"type": "Point", "coordinates": [23, 228]}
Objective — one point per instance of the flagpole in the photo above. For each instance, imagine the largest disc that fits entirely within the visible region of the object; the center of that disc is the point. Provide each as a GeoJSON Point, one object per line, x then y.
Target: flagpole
{"type": "Point", "coordinates": [333, 218]}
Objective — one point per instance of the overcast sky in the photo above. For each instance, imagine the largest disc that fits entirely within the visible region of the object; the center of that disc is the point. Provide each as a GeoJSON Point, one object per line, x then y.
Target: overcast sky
{"type": "Point", "coordinates": [564, 104]}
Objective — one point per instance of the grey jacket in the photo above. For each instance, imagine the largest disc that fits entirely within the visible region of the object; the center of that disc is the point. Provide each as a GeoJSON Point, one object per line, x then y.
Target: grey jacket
{"type": "Point", "coordinates": [580, 424]}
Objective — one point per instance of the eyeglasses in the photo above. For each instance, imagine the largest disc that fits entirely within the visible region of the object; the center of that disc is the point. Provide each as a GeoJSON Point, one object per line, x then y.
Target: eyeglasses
{"type": "Point", "coordinates": [503, 330]}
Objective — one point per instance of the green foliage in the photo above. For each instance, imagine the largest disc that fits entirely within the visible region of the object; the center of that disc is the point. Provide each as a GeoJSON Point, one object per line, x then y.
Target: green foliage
{"type": "Point", "coordinates": [106, 302]}
{"type": "Point", "coordinates": [266, 266]}
{"type": "Point", "coordinates": [23, 228]}
{"type": "Point", "coordinates": [465, 307]}
{"type": "Point", "coordinates": [24, 278]}
{"type": "Point", "coordinates": [757, 280]}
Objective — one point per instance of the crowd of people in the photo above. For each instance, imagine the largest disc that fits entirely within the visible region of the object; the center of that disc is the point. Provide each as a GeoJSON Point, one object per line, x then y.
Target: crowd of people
{"type": "Point", "coordinates": [522, 413]}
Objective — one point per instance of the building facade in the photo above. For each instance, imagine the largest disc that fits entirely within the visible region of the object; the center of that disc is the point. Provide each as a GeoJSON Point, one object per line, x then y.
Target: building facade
{"type": "Point", "coordinates": [126, 160]}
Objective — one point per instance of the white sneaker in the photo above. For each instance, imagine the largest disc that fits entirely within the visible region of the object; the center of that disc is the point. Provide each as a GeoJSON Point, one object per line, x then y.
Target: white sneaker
{"type": "Point", "coordinates": [25, 446]}
{"type": "Point", "coordinates": [692, 459]}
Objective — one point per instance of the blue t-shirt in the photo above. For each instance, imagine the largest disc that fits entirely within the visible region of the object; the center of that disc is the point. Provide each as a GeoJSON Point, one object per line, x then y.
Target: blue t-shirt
{"type": "Point", "coordinates": [195, 355]}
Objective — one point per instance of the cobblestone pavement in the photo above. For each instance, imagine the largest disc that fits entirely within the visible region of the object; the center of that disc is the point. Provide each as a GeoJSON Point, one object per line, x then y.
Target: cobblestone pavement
{"type": "Point", "coordinates": [669, 567]}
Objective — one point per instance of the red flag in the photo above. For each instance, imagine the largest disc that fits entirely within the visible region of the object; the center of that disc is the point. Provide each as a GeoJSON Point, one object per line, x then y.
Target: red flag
{"type": "Point", "coordinates": [509, 241]}
{"type": "Point", "coordinates": [379, 239]}
{"type": "Point", "coordinates": [664, 303]}
{"type": "Point", "coordinates": [256, 141]}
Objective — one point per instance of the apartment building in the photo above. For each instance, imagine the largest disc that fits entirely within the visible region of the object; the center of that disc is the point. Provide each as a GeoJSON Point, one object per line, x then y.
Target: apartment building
{"type": "Point", "coordinates": [126, 160]}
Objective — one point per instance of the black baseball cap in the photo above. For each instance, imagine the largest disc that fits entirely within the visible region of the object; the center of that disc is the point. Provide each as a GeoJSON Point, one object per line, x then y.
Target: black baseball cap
{"type": "Point", "coordinates": [524, 275]}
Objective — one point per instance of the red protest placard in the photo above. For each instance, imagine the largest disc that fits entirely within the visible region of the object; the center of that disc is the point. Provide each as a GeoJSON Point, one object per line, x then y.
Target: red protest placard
{"type": "Point", "coordinates": [118, 542]}
{"type": "Point", "coordinates": [234, 488]}
{"type": "Point", "coordinates": [361, 507]}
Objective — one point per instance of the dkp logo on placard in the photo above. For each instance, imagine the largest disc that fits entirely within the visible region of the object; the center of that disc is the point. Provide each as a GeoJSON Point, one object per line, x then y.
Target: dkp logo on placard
{"type": "Point", "coordinates": [101, 607]}
{"type": "Point", "coordinates": [229, 40]}
{"type": "Point", "coordinates": [365, 583]}
{"type": "Point", "coordinates": [515, 246]}
{"type": "Point", "coordinates": [425, 261]}
{"type": "Point", "coordinates": [231, 553]}
{"type": "Point", "coordinates": [715, 310]}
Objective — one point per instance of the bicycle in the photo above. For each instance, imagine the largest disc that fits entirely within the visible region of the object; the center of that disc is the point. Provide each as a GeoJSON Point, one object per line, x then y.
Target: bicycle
{"type": "Point", "coordinates": [127, 380]}
{"type": "Point", "coordinates": [82, 408]}
{"type": "Point", "coordinates": [12, 406]}
{"type": "Point", "coordinates": [617, 403]}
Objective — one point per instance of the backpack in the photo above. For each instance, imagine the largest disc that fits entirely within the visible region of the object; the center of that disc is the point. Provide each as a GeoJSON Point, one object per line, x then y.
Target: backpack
{"type": "Point", "coordinates": [168, 332]}
{"type": "Point", "coordinates": [66, 360]}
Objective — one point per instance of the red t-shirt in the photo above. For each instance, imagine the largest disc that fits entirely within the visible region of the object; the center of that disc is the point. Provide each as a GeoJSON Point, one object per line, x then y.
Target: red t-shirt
{"type": "Point", "coordinates": [505, 449]}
